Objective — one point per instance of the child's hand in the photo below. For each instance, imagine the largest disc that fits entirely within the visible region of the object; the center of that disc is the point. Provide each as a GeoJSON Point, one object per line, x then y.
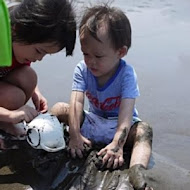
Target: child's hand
{"type": "Point", "coordinates": [39, 101]}
{"type": "Point", "coordinates": [13, 117]}
{"type": "Point", "coordinates": [112, 155]}
{"type": "Point", "coordinates": [25, 113]}
{"type": "Point", "coordinates": [77, 146]}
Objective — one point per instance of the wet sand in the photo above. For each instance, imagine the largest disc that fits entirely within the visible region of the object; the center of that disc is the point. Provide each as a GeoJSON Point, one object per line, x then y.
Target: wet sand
{"type": "Point", "coordinates": [160, 54]}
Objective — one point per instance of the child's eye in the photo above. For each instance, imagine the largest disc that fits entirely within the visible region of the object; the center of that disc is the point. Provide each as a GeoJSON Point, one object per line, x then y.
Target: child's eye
{"type": "Point", "coordinates": [99, 56]}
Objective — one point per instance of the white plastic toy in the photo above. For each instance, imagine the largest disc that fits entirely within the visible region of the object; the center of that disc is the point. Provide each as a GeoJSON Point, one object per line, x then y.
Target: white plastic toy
{"type": "Point", "coordinates": [46, 132]}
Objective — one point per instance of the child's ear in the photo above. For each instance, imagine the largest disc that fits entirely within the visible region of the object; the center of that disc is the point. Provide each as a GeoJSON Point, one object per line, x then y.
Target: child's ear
{"type": "Point", "coordinates": [122, 51]}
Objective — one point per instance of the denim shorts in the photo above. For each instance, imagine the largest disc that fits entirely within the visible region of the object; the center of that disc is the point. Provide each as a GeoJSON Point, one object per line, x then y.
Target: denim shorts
{"type": "Point", "coordinates": [100, 130]}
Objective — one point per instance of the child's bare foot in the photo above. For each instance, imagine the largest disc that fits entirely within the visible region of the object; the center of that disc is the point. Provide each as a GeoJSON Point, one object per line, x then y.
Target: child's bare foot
{"type": "Point", "coordinates": [137, 177]}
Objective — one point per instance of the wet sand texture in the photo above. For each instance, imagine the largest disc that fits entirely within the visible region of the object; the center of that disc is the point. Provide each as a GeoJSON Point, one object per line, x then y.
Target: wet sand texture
{"type": "Point", "coordinates": [39, 170]}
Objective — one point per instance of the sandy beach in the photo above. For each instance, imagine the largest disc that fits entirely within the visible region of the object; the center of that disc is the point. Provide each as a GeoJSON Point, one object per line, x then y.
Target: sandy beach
{"type": "Point", "coordinates": [160, 53]}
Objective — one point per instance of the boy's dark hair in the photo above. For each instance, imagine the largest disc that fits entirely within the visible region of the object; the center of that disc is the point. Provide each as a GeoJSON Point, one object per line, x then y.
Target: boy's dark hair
{"type": "Point", "coordinates": [119, 28]}
{"type": "Point", "coordinates": [44, 21]}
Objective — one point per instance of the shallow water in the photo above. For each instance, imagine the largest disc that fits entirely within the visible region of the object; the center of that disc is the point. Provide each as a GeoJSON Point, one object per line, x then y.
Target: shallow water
{"type": "Point", "coordinates": [160, 53]}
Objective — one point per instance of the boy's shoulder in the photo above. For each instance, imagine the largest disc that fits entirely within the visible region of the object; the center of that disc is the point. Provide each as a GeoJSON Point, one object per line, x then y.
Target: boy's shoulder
{"type": "Point", "coordinates": [82, 62]}
{"type": "Point", "coordinates": [126, 66]}
{"type": "Point", "coordinates": [81, 65]}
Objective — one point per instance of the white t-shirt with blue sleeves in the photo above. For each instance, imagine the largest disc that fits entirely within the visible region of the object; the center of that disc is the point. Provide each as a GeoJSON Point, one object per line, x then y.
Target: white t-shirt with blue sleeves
{"type": "Point", "coordinates": [105, 101]}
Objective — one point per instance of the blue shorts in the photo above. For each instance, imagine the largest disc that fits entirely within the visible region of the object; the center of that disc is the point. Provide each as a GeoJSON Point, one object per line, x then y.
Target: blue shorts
{"type": "Point", "coordinates": [100, 130]}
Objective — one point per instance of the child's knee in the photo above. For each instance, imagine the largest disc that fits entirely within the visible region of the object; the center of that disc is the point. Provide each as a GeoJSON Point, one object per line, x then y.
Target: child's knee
{"type": "Point", "coordinates": [28, 81]}
{"type": "Point", "coordinates": [59, 108]}
{"type": "Point", "coordinates": [61, 111]}
{"type": "Point", "coordinates": [144, 132]}
{"type": "Point", "coordinates": [30, 78]}
{"type": "Point", "coordinates": [24, 78]}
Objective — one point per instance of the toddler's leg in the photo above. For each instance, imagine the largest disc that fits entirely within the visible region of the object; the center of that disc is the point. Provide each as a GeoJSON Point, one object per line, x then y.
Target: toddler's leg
{"type": "Point", "coordinates": [142, 135]}
{"type": "Point", "coordinates": [141, 138]}
{"type": "Point", "coordinates": [61, 111]}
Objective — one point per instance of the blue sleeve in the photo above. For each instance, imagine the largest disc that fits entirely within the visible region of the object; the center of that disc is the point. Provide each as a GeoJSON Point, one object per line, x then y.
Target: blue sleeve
{"type": "Point", "coordinates": [130, 87]}
{"type": "Point", "coordinates": [79, 83]}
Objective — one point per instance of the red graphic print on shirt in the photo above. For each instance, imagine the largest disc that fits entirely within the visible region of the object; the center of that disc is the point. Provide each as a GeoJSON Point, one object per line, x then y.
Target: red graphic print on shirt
{"type": "Point", "coordinates": [107, 105]}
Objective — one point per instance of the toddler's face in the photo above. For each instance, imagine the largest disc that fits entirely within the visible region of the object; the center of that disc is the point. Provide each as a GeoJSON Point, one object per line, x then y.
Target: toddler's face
{"type": "Point", "coordinates": [34, 52]}
{"type": "Point", "coordinates": [100, 57]}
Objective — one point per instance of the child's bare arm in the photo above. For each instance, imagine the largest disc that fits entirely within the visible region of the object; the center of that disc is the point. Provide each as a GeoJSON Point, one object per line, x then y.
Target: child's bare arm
{"type": "Point", "coordinates": [10, 117]}
{"type": "Point", "coordinates": [77, 141]}
{"type": "Point", "coordinates": [39, 101]}
{"type": "Point", "coordinates": [124, 121]}
{"type": "Point", "coordinates": [25, 113]}
{"type": "Point", "coordinates": [113, 153]}
{"type": "Point", "coordinates": [75, 112]}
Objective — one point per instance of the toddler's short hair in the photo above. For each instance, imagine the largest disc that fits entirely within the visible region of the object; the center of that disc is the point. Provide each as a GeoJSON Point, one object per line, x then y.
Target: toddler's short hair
{"type": "Point", "coordinates": [119, 28]}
